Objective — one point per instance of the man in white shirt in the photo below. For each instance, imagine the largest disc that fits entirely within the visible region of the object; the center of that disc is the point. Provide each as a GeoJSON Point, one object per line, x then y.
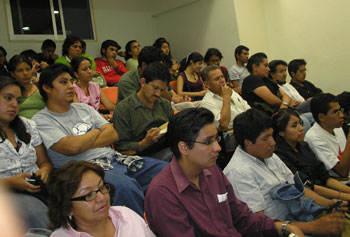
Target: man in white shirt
{"type": "Point", "coordinates": [326, 137]}
{"type": "Point", "coordinates": [238, 72]}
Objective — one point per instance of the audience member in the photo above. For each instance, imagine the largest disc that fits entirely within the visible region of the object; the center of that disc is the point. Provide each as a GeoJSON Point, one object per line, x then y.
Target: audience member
{"type": "Point", "coordinates": [344, 102]}
{"type": "Point", "coordinates": [298, 156]}
{"type": "Point", "coordinates": [21, 154]}
{"type": "Point", "coordinates": [132, 51]}
{"type": "Point", "coordinates": [47, 54]}
{"type": "Point", "coordinates": [326, 137]}
{"type": "Point", "coordinates": [111, 68]}
{"type": "Point", "coordinates": [168, 60]}
{"type": "Point", "coordinates": [33, 57]}
{"type": "Point", "coordinates": [138, 117]}
{"type": "Point", "coordinates": [191, 196]}
{"type": "Point", "coordinates": [254, 171]}
{"type": "Point", "coordinates": [32, 102]}
{"type": "Point", "coordinates": [86, 91]}
{"type": "Point", "coordinates": [75, 131]}
{"type": "Point", "coordinates": [238, 72]}
{"type": "Point", "coordinates": [189, 81]}
{"type": "Point", "coordinates": [3, 62]}
{"type": "Point", "coordinates": [297, 71]}
{"type": "Point", "coordinates": [213, 57]}
{"type": "Point", "coordinates": [80, 205]}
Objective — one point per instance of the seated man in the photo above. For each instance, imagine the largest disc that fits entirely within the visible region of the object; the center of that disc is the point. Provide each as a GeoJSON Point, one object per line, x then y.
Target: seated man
{"type": "Point", "coordinates": [326, 137]}
{"type": "Point", "coordinates": [191, 196]}
{"type": "Point", "coordinates": [138, 117]}
{"type": "Point", "coordinates": [75, 131]}
{"type": "Point", "coordinates": [238, 72]}
{"type": "Point", "coordinates": [255, 170]}
{"type": "Point", "coordinates": [297, 71]}
{"type": "Point", "coordinates": [111, 68]}
{"type": "Point", "coordinates": [344, 102]}
{"type": "Point", "coordinates": [222, 101]}
{"type": "Point", "coordinates": [47, 54]}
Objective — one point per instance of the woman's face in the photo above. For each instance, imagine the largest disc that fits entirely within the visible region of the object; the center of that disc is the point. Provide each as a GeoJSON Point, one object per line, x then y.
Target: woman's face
{"type": "Point", "coordinates": [84, 73]}
{"type": "Point", "coordinates": [165, 49]}
{"type": "Point", "coordinates": [74, 50]}
{"type": "Point", "coordinates": [214, 60]}
{"type": "Point", "coordinates": [294, 131]}
{"type": "Point", "coordinates": [197, 66]}
{"type": "Point", "coordinates": [2, 57]}
{"type": "Point", "coordinates": [135, 49]}
{"type": "Point", "coordinates": [92, 212]}
{"type": "Point", "coordinates": [10, 98]}
{"type": "Point", "coordinates": [23, 73]}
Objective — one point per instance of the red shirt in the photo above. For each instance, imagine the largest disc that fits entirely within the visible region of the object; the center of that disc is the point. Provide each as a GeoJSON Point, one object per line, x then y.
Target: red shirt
{"type": "Point", "coordinates": [176, 207]}
{"type": "Point", "coordinates": [111, 74]}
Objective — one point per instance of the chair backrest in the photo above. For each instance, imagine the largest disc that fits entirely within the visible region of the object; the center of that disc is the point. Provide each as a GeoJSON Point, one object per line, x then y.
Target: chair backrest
{"type": "Point", "coordinates": [111, 93]}
{"type": "Point", "coordinates": [173, 84]}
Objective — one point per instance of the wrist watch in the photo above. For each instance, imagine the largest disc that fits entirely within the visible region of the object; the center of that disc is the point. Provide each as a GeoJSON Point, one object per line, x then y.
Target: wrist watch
{"type": "Point", "coordinates": [285, 233]}
{"type": "Point", "coordinates": [285, 103]}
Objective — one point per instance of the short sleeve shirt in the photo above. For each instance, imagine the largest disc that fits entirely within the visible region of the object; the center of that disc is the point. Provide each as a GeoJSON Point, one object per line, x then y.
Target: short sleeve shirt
{"type": "Point", "coordinates": [238, 73]}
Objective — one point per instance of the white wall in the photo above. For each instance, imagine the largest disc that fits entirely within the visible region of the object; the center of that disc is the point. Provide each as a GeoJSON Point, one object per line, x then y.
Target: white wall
{"type": "Point", "coordinates": [198, 26]}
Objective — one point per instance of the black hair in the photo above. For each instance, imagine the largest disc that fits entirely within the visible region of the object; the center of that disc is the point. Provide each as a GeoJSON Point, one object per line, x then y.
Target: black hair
{"type": "Point", "coordinates": [281, 119]}
{"type": "Point", "coordinates": [17, 59]}
{"type": "Point", "coordinates": [273, 65]}
{"type": "Point", "coordinates": [149, 54]}
{"type": "Point", "coordinates": [212, 52]}
{"type": "Point", "coordinates": [240, 49]}
{"type": "Point", "coordinates": [48, 44]}
{"type": "Point", "coordinates": [156, 71]}
{"type": "Point", "coordinates": [30, 54]}
{"type": "Point", "coordinates": [128, 48]}
{"type": "Point", "coordinates": [105, 44]}
{"type": "Point", "coordinates": [293, 66]}
{"type": "Point", "coordinates": [69, 41]}
{"type": "Point", "coordinates": [76, 61]}
{"type": "Point", "coordinates": [344, 101]}
{"type": "Point", "coordinates": [320, 104]}
{"type": "Point", "coordinates": [185, 126]}
{"type": "Point", "coordinates": [49, 74]}
{"type": "Point", "coordinates": [3, 50]}
{"type": "Point", "coordinates": [194, 57]}
{"type": "Point", "coordinates": [255, 59]}
{"type": "Point", "coordinates": [166, 58]}
{"type": "Point", "coordinates": [17, 125]}
{"type": "Point", "coordinates": [249, 125]}
{"type": "Point", "coordinates": [206, 70]}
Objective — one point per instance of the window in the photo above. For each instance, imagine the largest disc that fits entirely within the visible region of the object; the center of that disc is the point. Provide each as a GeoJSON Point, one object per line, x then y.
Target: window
{"type": "Point", "coordinates": [42, 19]}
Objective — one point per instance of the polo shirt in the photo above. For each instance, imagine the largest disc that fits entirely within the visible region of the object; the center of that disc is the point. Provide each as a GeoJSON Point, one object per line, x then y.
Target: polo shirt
{"type": "Point", "coordinates": [128, 84]}
{"type": "Point", "coordinates": [176, 207]}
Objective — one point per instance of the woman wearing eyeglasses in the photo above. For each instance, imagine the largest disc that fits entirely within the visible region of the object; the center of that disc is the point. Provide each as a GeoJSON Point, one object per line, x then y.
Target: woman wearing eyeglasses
{"type": "Point", "coordinates": [80, 205]}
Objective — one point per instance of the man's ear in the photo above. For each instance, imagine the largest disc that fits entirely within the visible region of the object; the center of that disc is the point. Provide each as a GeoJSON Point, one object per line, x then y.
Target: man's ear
{"type": "Point", "coordinates": [320, 117]}
{"type": "Point", "coordinates": [47, 89]}
{"type": "Point", "coordinates": [142, 81]}
{"type": "Point", "coordinates": [183, 148]}
{"type": "Point", "coordinates": [103, 51]}
{"type": "Point", "coordinates": [247, 143]}
{"type": "Point", "coordinates": [207, 84]}
{"type": "Point", "coordinates": [292, 74]}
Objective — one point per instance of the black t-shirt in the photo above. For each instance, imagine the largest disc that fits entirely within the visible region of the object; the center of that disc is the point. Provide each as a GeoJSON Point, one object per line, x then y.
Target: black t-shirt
{"type": "Point", "coordinates": [308, 90]}
{"type": "Point", "coordinates": [48, 60]}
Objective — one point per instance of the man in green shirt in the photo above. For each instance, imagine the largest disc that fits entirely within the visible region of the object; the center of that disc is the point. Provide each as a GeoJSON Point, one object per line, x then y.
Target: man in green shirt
{"type": "Point", "coordinates": [138, 117]}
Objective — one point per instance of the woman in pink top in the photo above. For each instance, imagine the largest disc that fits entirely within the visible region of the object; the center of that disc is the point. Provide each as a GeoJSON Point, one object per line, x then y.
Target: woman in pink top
{"type": "Point", "coordinates": [88, 92]}
{"type": "Point", "coordinates": [80, 205]}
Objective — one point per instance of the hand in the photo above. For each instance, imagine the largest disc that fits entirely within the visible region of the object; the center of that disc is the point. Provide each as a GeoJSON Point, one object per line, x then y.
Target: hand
{"type": "Point", "coordinates": [329, 224]}
{"type": "Point", "coordinates": [177, 99]}
{"type": "Point", "coordinates": [295, 230]}
{"type": "Point", "coordinates": [153, 135]}
{"type": "Point", "coordinates": [112, 62]}
{"type": "Point", "coordinates": [107, 117]}
{"type": "Point", "coordinates": [226, 91]}
{"type": "Point", "coordinates": [43, 172]}
{"type": "Point", "coordinates": [203, 92]}
{"type": "Point", "coordinates": [18, 182]}
{"type": "Point", "coordinates": [293, 103]}
{"type": "Point", "coordinates": [35, 66]}
{"type": "Point", "coordinates": [343, 206]}
{"type": "Point", "coordinates": [238, 90]}
{"type": "Point", "coordinates": [43, 65]}
{"type": "Point", "coordinates": [187, 98]}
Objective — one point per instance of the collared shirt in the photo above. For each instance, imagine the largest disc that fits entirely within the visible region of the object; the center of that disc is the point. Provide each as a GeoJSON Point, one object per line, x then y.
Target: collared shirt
{"type": "Point", "coordinates": [125, 221]}
{"type": "Point", "coordinates": [214, 103]}
{"type": "Point", "coordinates": [308, 89]}
{"type": "Point", "coordinates": [128, 84]}
{"type": "Point", "coordinates": [291, 92]}
{"type": "Point", "coordinates": [238, 73]}
{"type": "Point", "coordinates": [14, 162]}
{"type": "Point", "coordinates": [327, 147]}
{"type": "Point", "coordinates": [132, 119]}
{"type": "Point", "coordinates": [176, 207]}
{"type": "Point", "coordinates": [252, 181]}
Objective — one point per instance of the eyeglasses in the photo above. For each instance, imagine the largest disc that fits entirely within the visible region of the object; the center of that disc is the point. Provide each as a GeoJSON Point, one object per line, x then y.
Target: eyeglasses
{"type": "Point", "coordinates": [93, 194]}
{"type": "Point", "coordinates": [210, 141]}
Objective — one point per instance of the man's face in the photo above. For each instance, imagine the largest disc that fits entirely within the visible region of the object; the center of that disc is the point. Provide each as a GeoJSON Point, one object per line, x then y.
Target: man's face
{"type": "Point", "coordinates": [262, 70]}
{"type": "Point", "coordinates": [216, 81]}
{"type": "Point", "coordinates": [263, 147]}
{"type": "Point", "coordinates": [152, 90]}
{"type": "Point", "coordinates": [48, 52]}
{"type": "Point", "coordinates": [334, 117]}
{"type": "Point", "coordinates": [300, 75]}
{"type": "Point", "coordinates": [280, 75]}
{"type": "Point", "coordinates": [203, 156]}
{"type": "Point", "coordinates": [62, 89]}
{"type": "Point", "coordinates": [243, 57]}
{"type": "Point", "coordinates": [111, 52]}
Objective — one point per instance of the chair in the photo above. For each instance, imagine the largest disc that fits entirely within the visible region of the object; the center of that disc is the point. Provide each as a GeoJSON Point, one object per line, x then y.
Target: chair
{"type": "Point", "coordinates": [112, 94]}
{"type": "Point", "coordinates": [173, 84]}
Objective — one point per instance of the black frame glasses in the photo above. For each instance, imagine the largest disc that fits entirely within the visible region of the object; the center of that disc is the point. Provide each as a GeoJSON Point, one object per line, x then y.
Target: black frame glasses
{"type": "Point", "coordinates": [91, 196]}
{"type": "Point", "coordinates": [210, 141]}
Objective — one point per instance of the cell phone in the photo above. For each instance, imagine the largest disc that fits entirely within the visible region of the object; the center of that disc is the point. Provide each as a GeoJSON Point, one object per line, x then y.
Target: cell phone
{"type": "Point", "coordinates": [30, 180]}
{"type": "Point", "coordinates": [334, 206]}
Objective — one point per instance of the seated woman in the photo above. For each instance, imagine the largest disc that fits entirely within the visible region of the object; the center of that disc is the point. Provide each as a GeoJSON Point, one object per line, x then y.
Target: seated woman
{"type": "Point", "coordinates": [21, 154]}
{"type": "Point", "coordinates": [213, 57]}
{"type": "Point", "coordinates": [88, 92]}
{"type": "Point", "coordinates": [297, 155]}
{"type": "Point", "coordinates": [189, 82]}
{"type": "Point", "coordinates": [168, 60]}
{"type": "Point", "coordinates": [21, 70]}
{"type": "Point", "coordinates": [132, 51]}
{"type": "Point", "coordinates": [80, 205]}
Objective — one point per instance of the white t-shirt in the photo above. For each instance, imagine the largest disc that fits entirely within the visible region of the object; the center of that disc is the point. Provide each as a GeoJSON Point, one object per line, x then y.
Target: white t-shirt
{"type": "Point", "coordinates": [292, 92]}
{"type": "Point", "coordinates": [238, 73]}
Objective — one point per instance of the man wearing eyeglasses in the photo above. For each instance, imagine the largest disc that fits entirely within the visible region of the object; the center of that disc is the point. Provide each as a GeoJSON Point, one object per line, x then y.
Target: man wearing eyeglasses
{"type": "Point", "coordinates": [138, 117]}
{"type": "Point", "coordinates": [326, 137]}
{"type": "Point", "coordinates": [191, 196]}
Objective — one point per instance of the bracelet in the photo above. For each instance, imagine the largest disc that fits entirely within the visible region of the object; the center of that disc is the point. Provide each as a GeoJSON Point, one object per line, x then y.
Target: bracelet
{"type": "Point", "coordinates": [285, 233]}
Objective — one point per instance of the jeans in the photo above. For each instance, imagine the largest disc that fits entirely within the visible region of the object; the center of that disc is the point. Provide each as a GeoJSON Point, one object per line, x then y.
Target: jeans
{"type": "Point", "coordinates": [31, 209]}
{"type": "Point", "coordinates": [130, 186]}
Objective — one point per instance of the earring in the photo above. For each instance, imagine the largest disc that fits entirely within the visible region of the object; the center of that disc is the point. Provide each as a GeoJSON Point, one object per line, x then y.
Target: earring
{"type": "Point", "coordinates": [70, 218]}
